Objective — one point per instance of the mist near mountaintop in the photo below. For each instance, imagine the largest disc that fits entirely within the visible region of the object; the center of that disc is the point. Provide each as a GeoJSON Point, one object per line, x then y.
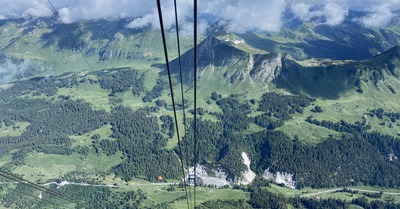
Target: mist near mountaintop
{"type": "Point", "coordinates": [241, 15]}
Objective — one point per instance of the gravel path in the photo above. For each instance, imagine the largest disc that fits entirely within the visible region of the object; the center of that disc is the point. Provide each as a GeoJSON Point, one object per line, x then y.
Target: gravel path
{"type": "Point", "coordinates": [361, 190]}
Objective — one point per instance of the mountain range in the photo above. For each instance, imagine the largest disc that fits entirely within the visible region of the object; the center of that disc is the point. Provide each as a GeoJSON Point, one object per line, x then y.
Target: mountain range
{"type": "Point", "coordinates": [312, 106]}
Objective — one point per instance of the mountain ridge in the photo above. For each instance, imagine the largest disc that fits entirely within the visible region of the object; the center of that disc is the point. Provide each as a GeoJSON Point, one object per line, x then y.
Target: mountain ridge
{"type": "Point", "coordinates": [328, 81]}
{"type": "Point", "coordinates": [317, 122]}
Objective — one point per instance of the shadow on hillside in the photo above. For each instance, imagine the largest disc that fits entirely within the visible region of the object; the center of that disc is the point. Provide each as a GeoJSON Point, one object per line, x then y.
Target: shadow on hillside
{"type": "Point", "coordinates": [320, 82]}
{"type": "Point", "coordinates": [97, 30]}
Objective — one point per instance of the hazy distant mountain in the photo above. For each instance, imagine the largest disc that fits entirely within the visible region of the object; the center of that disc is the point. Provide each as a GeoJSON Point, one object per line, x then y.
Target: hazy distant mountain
{"type": "Point", "coordinates": [105, 40]}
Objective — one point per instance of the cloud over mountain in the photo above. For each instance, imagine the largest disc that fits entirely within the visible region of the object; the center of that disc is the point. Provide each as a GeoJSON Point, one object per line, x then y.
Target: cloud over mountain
{"type": "Point", "coordinates": [73, 10]}
{"type": "Point", "coordinates": [381, 15]}
{"type": "Point", "coordinates": [240, 15]}
{"type": "Point", "coordinates": [9, 70]}
{"type": "Point", "coordinates": [330, 13]}
{"type": "Point", "coordinates": [248, 15]}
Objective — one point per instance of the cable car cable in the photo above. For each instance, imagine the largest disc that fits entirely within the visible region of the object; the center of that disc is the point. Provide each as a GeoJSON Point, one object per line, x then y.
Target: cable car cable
{"type": "Point", "coordinates": [70, 35]}
{"type": "Point", "coordinates": [172, 92]}
{"type": "Point", "coordinates": [40, 188]}
{"type": "Point", "coordinates": [30, 184]}
{"type": "Point", "coordinates": [180, 73]}
{"type": "Point", "coordinates": [20, 180]}
{"type": "Point", "coordinates": [30, 195]}
{"type": "Point", "coordinates": [195, 98]}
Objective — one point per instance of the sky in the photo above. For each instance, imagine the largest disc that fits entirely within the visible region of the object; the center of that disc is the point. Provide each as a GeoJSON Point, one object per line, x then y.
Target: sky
{"type": "Point", "coordinates": [240, 15]}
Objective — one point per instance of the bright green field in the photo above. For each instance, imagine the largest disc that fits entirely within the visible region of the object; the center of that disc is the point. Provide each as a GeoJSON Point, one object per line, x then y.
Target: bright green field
{"type": "Point", "coordinates": [15, 130]}
{"type": "Point", "coordinates": [350, 107]}
{"type": "Point", "coordinates": [41, 167]}
{"type": "Point", "coordinates": [158, 194]}
{"type": "Point", "coordinates": [86, 140]}
{"type": "Point", "coordinates": [395, 197]}
{"type": "Point", "coordinates": [91, 93]}
{"type": "Point", "coordinates": [5, 159]}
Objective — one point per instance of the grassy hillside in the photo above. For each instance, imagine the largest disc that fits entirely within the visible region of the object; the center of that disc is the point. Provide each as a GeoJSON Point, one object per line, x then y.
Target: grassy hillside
{"type": "Point", "coordinates": [349, 40]}
{"type": "Point", "coordinates": [331, 123]}
{"type": "Point", "coordinates": [104, 44]}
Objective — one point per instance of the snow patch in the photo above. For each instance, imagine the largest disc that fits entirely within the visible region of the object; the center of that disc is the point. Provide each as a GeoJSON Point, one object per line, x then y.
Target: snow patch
{"type": "Point", "coordinates": [238, 42]}
{"type": "Point", "coordinates": [288, 179]}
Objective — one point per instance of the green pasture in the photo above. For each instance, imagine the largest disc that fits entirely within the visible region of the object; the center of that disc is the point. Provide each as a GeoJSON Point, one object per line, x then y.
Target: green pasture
{"type": "Point", "coordinates": [42, 167]}
{"type": "Point", "coordinates": [14, 130]}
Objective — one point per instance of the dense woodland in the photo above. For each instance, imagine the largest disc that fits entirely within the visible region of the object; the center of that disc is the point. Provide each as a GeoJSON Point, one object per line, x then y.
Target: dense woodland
{"type": "Point", "coordinates": [356, 156]}
{"type": "Point", "coordinates": [260, 197]}
{"type": "Point", "coordinates": [104, 197]}
{"type": "Point", "coordinates": [97, 197]}
{"type": "Point", "coordinates": [122, 81]}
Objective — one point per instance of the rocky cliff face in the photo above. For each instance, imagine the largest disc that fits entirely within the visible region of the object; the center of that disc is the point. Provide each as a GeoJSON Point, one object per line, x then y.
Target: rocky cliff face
{"type": "Point", "coordinates": [115, 49]}
{"type": "Point", "coordinates": [219, 180]}
{"type": "Point", "coordinates": [248, 175]}
{"type": "Point", "coordinates": [288, 179]}
{"type": "Point", "coordinates": [266, 67]}
{"type": "Point", "coordinates": [235, 64]}
{"type": "Point", "coordinates": [213, 55]}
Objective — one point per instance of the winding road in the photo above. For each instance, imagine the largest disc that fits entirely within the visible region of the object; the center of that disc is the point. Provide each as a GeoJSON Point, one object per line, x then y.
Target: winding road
{"type": "Point", "coordinates": [361, 190]}
{"type": "Point", "coordinates": [63, 183]}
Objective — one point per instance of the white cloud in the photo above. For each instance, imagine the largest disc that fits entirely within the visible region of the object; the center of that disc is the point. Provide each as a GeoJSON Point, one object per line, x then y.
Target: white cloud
{"type": "Point", "coordinates": [168, 11]}
{"type": "Point", "coordinates": [149, 19]}
{"type": "Point", "coordinates": [241, 15]}
{"type": "Point", "coordinates": [368, 4]}
{"type": "Point", "coordinates": [9, 70]}
{"type": "Point", "coordinates": [302, 11]}
{"type": "Point", "coordinates": [65, 15]}
{"type": "Point", "coordinates": [73, 10]}
{"type": "Point", "coordinates": [329, 14]}
{"type": "Point", "coordinates": [335, 14]}
{"type": "Point", "coordinates": [248, 15]}
{"type": "Point", "coordinates": [352, 4]}
{"type": "Point", "coordinates": [381, 16]}
{"type": "Point", "coordinates": [24, 8]}
{"type": "Point", "coordinates": [38, 10]}
{"type": "Point", "coordinates": [187, 28]}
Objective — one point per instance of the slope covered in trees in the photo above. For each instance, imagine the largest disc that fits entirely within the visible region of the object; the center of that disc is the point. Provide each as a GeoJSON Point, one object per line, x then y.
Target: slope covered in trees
{"type": "Point", "coordinates": [141, 136]}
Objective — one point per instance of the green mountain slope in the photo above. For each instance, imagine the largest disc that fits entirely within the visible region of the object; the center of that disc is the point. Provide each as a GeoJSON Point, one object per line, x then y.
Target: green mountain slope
{"type": "Point", "coordinates": [105, 44]}
{"type": "Point", "coordinates": [307, 124]}
{"type": "Point", "coordinates": [349, 40]}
